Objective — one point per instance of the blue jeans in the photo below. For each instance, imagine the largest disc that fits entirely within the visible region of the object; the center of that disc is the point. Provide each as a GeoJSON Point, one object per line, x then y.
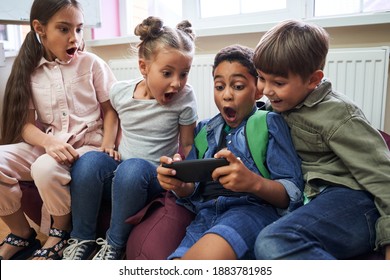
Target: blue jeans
{"type": "Point", "coordinates": [129, 184]}
{"type": "Point", "coordinates": [338, 224]}
{"type": "Point", "coordinates": [238, 220]}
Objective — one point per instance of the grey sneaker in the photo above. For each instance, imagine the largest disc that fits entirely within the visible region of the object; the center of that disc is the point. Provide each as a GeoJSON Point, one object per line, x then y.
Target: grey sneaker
{"type": "Point", "coordinates": [107, 252]}
{"type": "Point", "coordinates": [79, 249]}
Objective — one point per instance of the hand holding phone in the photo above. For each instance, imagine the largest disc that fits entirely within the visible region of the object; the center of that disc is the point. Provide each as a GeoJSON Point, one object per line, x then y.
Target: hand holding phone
{"type": "Point", "coordinates": [197, 170]}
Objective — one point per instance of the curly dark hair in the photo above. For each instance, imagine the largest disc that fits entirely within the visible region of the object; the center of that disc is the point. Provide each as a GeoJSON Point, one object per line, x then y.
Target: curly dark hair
{"type": "Point", "coordinates": [236, 53]}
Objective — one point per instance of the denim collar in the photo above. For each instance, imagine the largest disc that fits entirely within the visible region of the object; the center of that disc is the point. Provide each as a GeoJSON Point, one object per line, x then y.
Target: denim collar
{"type": "Point", "coordinates": [218, 120]}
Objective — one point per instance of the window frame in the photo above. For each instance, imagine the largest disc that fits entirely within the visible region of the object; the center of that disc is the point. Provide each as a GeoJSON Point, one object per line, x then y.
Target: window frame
{"type": "Point", "coordinates": [12, 45]}
{"type": "Point", "coordinates": [249, 23]}
{"type": "Point", "coordinates": [191, 11]}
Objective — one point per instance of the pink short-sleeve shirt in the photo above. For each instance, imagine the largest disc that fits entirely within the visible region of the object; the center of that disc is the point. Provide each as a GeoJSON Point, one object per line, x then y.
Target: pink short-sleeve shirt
{"type": "Point", "coordinates": [66, 97]}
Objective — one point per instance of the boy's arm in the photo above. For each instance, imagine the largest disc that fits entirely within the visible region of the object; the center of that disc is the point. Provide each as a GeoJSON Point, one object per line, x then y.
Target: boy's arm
{"type": "Point", "coordinates": [282, 160]}
{"type": "Point", "coordinates": [238, 178]}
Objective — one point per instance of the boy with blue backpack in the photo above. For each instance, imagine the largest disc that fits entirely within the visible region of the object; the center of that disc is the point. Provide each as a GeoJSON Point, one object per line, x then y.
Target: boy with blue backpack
{"type": "Point", "coordinates": [246, 195]}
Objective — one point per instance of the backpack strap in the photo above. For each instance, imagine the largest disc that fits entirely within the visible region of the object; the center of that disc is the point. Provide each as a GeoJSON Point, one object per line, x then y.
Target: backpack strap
{"type": "Point", "coordinates": [200, 141]}
{"type": "Point", "coordinates": [258, 142]}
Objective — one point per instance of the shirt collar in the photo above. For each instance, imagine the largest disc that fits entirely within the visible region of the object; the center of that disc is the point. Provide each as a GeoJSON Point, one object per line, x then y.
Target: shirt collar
{"type": "Point", "coordinates": [317, 95]}
{"type": "Point", "coordinates": [55, 62]}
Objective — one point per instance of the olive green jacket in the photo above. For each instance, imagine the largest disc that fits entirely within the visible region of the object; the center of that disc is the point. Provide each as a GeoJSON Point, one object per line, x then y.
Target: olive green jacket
{"type": "Point", "coordinates": [338, 146]}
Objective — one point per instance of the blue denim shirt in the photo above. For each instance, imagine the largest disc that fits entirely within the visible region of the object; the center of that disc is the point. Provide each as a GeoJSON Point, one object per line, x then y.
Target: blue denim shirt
{"type": "Point", "coordinates": [281, 159]}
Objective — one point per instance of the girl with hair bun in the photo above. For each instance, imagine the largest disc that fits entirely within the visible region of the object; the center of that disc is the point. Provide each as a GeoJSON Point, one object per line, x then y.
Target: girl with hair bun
{"type": "Point", "coordinates": [157, 112]}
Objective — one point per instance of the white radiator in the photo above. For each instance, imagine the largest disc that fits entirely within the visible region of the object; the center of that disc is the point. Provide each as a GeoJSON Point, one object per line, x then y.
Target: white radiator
{"type": "Point", "coordinates": [361, 74]}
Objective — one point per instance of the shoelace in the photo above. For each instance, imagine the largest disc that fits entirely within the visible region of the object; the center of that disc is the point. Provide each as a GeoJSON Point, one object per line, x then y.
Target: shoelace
{"type": "Point", "coordinates": [106, 252]}
{"type": "Point", "coordinates": [76, 249]}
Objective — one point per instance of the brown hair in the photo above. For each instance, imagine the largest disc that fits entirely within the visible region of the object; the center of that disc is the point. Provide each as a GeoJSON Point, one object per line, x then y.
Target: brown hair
{"type": "Point", "coordinates": [18, 89]}
{"type": "Point", "coordinates": [154, 35]}
{"type": "Point", "coordinates": [292, 46]}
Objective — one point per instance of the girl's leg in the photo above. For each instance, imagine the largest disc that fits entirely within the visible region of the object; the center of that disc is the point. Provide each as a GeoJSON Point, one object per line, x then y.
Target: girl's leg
{"type": "Point", "coordinates": [91, 182]}
{"type": "Point", "coordinates": [52, 179]}
{"type": "Point", "coordinates": [337, 224]}
{"type": "Point", "coordinates": [15, 162]}
{"type": "Point", "coordinates": [15, 166]}
{"type": "Point", "coordinates": [135, 182]}
{"type": "Point", "coordinates": [58, 236]}
{"type": "Point", "coordinates": [19, 226]}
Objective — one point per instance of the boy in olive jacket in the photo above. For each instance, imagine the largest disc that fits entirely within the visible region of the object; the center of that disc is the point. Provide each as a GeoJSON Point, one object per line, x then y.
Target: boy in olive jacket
{"type": "Point", "coordinates": [345, 161]}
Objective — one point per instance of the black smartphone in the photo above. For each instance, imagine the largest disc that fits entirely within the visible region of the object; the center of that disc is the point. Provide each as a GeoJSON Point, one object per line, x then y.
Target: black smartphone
{"type": "Point", "coordinates": [197, 170]}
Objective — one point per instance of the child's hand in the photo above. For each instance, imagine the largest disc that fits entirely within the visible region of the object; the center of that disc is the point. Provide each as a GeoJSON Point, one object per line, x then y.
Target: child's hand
{"type": "Point", "coordinates": [238, 178]}
{"type": "Point", "coordinates": [63, 153]}
{"type": "Point", "coordinates": [235, 176]}
{"type": "Point", "coordinates": [111, 152]}
{"type": "Point", "coordinates": [169, 183]}
{"type": "Point", "coordinates": [164, 175]}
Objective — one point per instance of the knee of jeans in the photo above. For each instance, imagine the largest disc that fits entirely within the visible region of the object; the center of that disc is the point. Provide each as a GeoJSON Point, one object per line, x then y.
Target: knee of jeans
{"type": "Point", "coordinates": [92, 161]}
{"type": "Point", "coordinates": [266, 245]}
{"type": "Point", "coordinates": [91, 158]}
{"type": "Point", "coordinates": [136, 165]}
{"type": "Point", "coordinates": [134, 172]}
{"type": "Point", "coordinates": [91, 168]}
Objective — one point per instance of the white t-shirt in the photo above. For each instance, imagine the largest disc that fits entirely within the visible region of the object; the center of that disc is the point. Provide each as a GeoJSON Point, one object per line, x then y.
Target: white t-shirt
{"type": "Point", "coordinates": [151, 130]}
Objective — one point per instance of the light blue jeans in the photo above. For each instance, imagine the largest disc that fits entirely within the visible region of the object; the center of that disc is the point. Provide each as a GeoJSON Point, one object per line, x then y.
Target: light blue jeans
{"type": "Point", "coordinates": [129, 184]}
{"type": "Point", "coordinates": [338, 224]}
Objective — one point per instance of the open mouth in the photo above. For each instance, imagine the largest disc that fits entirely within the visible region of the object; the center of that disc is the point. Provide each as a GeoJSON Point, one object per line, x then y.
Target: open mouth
{"type": "Point", "coordinates": [168, 96]}
{"type": "Point", "coordinates": [71, 51]}
{"type": "Point", "coordinates": [275, 100]}
{"type": "Point", "coordinates": [230, 113]}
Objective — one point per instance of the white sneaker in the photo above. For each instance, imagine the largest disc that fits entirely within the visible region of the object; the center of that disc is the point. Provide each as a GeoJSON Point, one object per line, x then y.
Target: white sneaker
{"type": "Point", "coordinates": [79, 249]}
{"type": "Point", "coordinates": [107, 252]}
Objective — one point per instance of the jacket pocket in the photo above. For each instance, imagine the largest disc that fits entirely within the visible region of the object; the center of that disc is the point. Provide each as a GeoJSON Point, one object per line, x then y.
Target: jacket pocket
{"type": "Point", "coordinates": [83, 95]}
{"type": "Point", "coordinates": [307, 142]}
{"type": "Point", "coordinates": [43, 102]}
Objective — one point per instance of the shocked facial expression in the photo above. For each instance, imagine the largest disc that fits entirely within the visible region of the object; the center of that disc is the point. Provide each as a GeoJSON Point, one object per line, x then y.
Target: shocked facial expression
{"type": "Point", "coordinates": [235, 92]}
{"type": "Point", "coordinates": [166, 74]}
{"type": "Point", "coordinates": [62, 35]}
